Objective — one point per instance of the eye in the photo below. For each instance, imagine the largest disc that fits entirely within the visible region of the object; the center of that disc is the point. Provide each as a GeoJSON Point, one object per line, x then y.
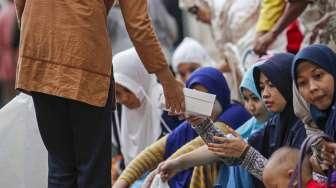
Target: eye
{"type": "Point", "coordinates": [255, 99]}
{"type": "Point", "coordinates": [317, 76]}
{"type": "Point", "coordinates": [301, 83]}
{"type": "Point", "coordinates": [262, 87]}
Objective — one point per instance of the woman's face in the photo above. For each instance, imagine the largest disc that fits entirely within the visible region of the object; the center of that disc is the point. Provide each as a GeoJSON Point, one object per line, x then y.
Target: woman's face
{"type": "Point", "coordinates": [126, 97]}
{"type": "Point", "coordinates": [202, 12]}
{"type": "Point", "coordinates": [185, 69]}
{"type": "Point", "coordinates": [255, 106]}
{"type": "Point", "coordinates": [315, 85]}
{"type": "Point", "coordinates": [271, 96]}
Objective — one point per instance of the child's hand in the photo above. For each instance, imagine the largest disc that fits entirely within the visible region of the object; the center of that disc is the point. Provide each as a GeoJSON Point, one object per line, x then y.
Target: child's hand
{"type": "Point", "coordinates": [168, 169]}
{"type": "Point", "coordinates": [228, 147]}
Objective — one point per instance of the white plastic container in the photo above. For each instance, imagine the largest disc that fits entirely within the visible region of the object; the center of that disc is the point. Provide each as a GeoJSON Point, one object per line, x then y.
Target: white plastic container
{"type": "Point", "coordinates": [196, 102]}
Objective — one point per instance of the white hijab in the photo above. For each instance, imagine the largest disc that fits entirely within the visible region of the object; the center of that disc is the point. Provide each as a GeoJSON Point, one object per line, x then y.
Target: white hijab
{"type": "Point", "coordinates": [191, 51]}
{"type": "Point", "coordinates": [140, 127]}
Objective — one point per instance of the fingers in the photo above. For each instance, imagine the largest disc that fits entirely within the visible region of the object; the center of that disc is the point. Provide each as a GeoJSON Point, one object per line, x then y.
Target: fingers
{"type": "Point", "coordinates": [175, 98]}
{"type": "Point", "coordinates": [330, 147]}
{"type": "Point", "coordinates": [219, 139]}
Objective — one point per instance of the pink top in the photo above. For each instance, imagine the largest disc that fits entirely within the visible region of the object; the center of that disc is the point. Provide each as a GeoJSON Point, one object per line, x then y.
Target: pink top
{"type": "Point", "coordinates": [7, 53]}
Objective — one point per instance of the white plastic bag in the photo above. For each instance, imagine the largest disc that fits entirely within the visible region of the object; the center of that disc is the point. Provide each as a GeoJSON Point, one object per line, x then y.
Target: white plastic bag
{"type": "Point", "coordinates": [158, 183]}
{"type": "Point", "coordinates": [23, 157]}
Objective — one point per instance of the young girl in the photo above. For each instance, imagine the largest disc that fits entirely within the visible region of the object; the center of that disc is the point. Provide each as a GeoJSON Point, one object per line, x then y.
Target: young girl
{"type": "Point", "coordinates": [273, 81]}
{"type": "Point", "coordinates": [189, 56]}
{"type": "Point", "coordinates": [139, 93]}
{"type": "Point", "coordinates": [206, 79]}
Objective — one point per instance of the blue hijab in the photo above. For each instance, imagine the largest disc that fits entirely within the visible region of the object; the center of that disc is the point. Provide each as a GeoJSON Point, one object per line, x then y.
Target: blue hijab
{"type": "Point", "coordinates": [214, 81]}
{"type": "Point", "coordinates": [284, 128]}
{"type": "Point", "coordinates": [325, 58]}
{"type": "Point", "coordinates": [278, 70]}
{"type": "Point", "coordinates": [252, 124]}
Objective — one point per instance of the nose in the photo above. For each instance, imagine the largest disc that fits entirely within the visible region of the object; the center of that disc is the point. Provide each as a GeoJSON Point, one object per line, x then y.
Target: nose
{"type": "Point", "coordinates": [312, 86]}
{"type": "Point", "coordinates": [265, 93]}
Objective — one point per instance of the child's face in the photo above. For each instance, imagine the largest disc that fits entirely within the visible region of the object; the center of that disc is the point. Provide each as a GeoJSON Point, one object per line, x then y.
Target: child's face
{"type": "Point", "coordinates": [202, 11]}
{"type": "Point", "coordinates": [126, 97]}
{"type": "Point", "coordinates": [277, 176]}
{"type": "Point", "coordinates": [271, 96]}
{"type": "Point", "coordinates": [185, 69]}
{"type": "Point", "coordinates": [315, 85]}
{"type": "Point", "coordinates": [254, 105]}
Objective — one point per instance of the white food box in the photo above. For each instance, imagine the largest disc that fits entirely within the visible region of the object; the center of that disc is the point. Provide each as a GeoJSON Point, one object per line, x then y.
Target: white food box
{"type": "Point", "coordinates": [196, 102]}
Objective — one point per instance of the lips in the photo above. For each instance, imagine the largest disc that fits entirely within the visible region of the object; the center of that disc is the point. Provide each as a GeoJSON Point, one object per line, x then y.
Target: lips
{"type": "Point", "coordinates": [268, 104]}
{"type": "Point", "coordinates": [318, 98]}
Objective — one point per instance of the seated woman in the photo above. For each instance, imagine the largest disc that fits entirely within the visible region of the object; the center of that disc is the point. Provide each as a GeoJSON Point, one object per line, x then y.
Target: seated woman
{"type": "Point", "coordinates": [314, 72]}
{"type": "Point", "coordinates": [273, 81]}
{"type": "Point", "coordinates": [205, 79]}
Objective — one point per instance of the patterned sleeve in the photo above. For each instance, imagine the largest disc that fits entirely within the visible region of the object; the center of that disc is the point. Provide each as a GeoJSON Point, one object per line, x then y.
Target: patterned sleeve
{"type": "Point", "coordinates": [254, 162]}
{"type": "Point", "coordinates": [207, 130]}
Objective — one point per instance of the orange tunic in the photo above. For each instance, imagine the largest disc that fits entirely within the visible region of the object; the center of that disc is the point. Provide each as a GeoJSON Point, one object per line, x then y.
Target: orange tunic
{"type": "Point", "coordinates": [65, 50]}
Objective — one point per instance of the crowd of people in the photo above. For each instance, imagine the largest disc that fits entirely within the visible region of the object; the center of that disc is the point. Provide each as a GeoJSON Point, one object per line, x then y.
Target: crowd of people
{"type": "Point", "coordinates": [90, 116]}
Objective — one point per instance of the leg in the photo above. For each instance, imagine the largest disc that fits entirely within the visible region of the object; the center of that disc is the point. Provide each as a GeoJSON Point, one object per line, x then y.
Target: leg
{"type": "Point", "coordinates": [57, 136]}
{"type": "Point", "coordinates": [92, 139]}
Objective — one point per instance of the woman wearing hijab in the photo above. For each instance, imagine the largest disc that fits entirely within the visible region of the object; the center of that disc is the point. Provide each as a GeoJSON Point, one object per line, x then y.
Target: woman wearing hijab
{"type": "Point", "coordinates": [189, 56]}
{"type": "Point", "coordinates": [273, 82]}
{"type": "Point", "coordinates": [206, 79]}
{"type": "Point", "coordinates": [139, 93]}
{"type": "Point", "coordinates": [317, 60]}
{"type": "Point", "coordinates": [314, 72]}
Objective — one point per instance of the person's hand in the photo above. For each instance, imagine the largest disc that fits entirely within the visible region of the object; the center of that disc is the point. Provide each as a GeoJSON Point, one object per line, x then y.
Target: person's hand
{"type": "Point", "coordinates": [319, 26]}
{"type": "Point", "coordinates": [262, 43]}
{"type": "Point", "coordinates": [120, 183]}
{"type": "Point", "coordinates": [149, 179]}
{"type": "Point", "coordinates": [169, 168]}
{"type": "Point", "coordinates": [173, 91]}
{"type": "Point", "coordinates": [228, 147]}
{"type": "Point", "coordinates": [329, 154]}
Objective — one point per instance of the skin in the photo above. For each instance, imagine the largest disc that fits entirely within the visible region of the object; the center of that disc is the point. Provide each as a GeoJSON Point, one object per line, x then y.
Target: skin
{"type": "Point", "coordinates": [185, 69]}
{"type": "Point", "coordinates": [315, 85]}
{"type": "Point", "coordinates": [277, 176]}
{"type": "Point", "coordinates": [254, 105]}
{"type": "Point", "coordinates": [271, 96]}
{"type": "Point", "coordinates": [126, 97]}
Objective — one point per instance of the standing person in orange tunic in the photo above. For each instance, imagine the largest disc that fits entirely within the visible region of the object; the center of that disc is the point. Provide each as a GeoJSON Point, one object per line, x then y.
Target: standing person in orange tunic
{"type": "Point", "coordinates": [65, 64]}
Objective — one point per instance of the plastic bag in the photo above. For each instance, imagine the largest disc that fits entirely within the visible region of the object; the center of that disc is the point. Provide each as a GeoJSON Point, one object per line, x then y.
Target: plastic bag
{"type": "Point", "coordinates": [23, 157]}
